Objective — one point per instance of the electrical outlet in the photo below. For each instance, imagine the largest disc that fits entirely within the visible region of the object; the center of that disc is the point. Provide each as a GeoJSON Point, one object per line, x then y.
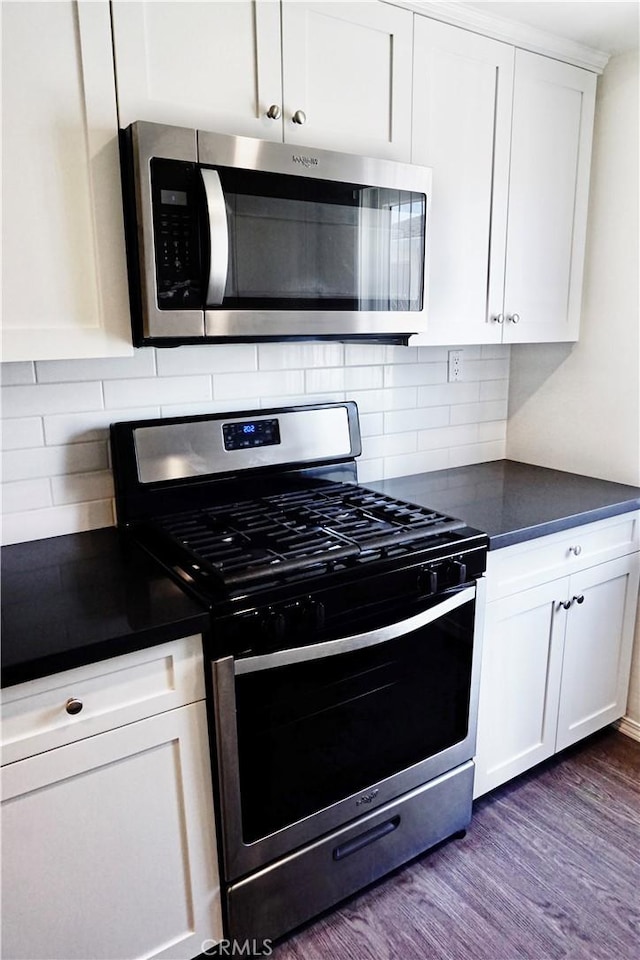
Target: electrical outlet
{"type": "Point", "coordinates": [455, 365]}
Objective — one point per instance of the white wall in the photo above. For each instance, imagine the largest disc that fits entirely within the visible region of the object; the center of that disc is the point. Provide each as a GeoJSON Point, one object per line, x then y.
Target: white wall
{"type": "Point", "coordinates": [577, 407]}
{"type": "Point", "coordinates": [55, 464]}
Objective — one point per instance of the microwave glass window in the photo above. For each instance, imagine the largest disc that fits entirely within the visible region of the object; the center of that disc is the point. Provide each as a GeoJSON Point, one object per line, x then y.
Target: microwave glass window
{"type": "Point", "coordinates": [301, 243]}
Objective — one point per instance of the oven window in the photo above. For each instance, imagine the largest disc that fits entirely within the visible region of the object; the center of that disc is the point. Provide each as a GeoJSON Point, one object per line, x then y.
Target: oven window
{"type": "Point", "coordinates": [297, 243]}
{"type": "Point", "coordinates": [312, 734]}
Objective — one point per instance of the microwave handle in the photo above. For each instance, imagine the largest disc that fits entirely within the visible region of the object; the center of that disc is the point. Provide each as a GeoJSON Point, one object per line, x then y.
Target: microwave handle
{"type": "Point", "coordinates": [218, 236]}
{"type": "Point", "coordinates": [359, 641]}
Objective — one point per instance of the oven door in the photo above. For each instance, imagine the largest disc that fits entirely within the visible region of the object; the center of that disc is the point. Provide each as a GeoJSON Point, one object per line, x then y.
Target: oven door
{"type": "Point", "coordinates": [312, 737]}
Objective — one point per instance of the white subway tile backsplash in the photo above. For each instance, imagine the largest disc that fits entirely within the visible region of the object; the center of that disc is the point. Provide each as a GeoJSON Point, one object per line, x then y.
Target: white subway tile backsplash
{"type": "Point", "coordinates": [235, 386]}
{"type": "Point", "coordinates": [14, 374]}
{"type": "Point", "coordinates": [56, 521]}
{"type": "Point", "coordinates": [39, 399]}
{"type": "Point", "coordinates": [141, 364]}
{"type": "Point", "coordinates": [157, 390]}
{"type": "Point", "coordinates": [364, 354]}
{"type": "Point", "coordinates": [494, 390]}
{"type": "Point", "coordinates": [486, 369]}
{"type": "Point", "coordinates": [53, 461]}
{"type": "Point", "coordinates": [494, 351]}
{"type": "Point", "coordinates": [56, 466]}
{"type": "Point", "coordinates": [476, 453]}
{"type": "Point", "coordinates": [447, 393]}
{"type": "Point", "coordinates": [343, 378]}
{"type": "Point", "coordinates": [84, 427]}
{"type": "Point", "coordinates": [397, 421]}
{"type": "Point", "coordinates": [21, 433]}
{"type": "Point", "coordinates": [80, 487]}
{"type": "Point", "coordinates": [223, 358]}
{"type": "Point", "coordinates": [300, 398]}
{"type": "Point", "coordinates": [493, 430]}
{"type": "Point", "coordinates": [425, 461]}
{"type": "Point", "coordinates": [202, 407]}
{"type": "Point", "coordinates": [377, 401]}
{"type": "Point", "coordinates": [433, 354]}
{"type": "Point", "coordinates": [297, 356]}
{"type": "Point", "coordinates": [414, 374]}
{"type": "Point", "coordinates": [25, 493]}
{"type": "Point", "coordinates": [401, 354]}
{"type": "Point", "coordinates": [477, 412]}
{"type": "Point", "coordinates": [441, 437]}
{"type": "Point", "coordinates": [369, 470]}
{"type": "Point", "coordinates": [371, 424]}
{"type": "Point", "coordinates": [388, 445]}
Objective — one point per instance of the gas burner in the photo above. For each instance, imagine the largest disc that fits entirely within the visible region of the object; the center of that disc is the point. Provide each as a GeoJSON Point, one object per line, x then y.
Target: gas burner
{"type": "Point", "coordinates": [277, 537]}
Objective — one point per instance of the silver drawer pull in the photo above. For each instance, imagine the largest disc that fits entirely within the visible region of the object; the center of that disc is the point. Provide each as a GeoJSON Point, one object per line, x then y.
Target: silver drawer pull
{"type": "Point", "coordinates": [576, 551]}
{"type": "Point", "coordinates": [73, 706]}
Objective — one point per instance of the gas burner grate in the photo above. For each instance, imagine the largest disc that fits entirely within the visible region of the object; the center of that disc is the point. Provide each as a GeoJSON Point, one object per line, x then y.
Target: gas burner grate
{"type": "Point", "coordinates": [296, 533]}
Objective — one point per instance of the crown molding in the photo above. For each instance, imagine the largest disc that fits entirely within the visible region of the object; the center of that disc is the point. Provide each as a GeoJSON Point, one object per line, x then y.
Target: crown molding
{"type": "Point", "coordinates": [508, 31]}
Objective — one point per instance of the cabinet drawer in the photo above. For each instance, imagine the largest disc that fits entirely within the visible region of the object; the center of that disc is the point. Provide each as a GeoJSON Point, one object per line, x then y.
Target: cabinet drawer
{"type": "Point", "coordinates": [538, 561]}
{"type": "Point", "coordinates": [112, 693]}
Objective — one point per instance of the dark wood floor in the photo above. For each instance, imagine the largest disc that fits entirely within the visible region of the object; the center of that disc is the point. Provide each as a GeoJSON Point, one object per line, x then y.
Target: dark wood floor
{"type": "Point", "coordinates": [550, 868]}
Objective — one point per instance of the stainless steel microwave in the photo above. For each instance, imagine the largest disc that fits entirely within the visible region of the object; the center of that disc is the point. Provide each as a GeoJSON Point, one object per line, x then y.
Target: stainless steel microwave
{"type": "Point", "coordinates": [230, 238]}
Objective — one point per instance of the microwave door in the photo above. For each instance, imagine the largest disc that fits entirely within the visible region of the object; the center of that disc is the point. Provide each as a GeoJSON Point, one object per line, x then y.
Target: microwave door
{"type": "Point", "coordinates": [218, 237]}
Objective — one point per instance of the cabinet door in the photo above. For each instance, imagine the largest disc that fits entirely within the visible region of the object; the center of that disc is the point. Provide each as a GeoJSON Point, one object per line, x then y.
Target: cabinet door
{"type": "Point", "coordinates": [462, 88]}
{"type": "Point", "coordinates": [597, 648]}
{"type": "Point", "coordinates": [64, 290]}
{"type": "Point", "coordinates": [109, 845]}
{"type": "Point", "coordinates": [209, 66]}
{"type": "Point", "coordinates": [553, 108]}
{"type": "Point", "coordinates": [519, 683]}
{"type": "Point", "coordinates": [347, 67]}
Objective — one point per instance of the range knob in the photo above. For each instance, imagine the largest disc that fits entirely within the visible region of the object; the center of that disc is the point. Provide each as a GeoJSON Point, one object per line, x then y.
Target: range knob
{"type": "Point", "coordinates": [428, 580]}
{"type": "Point", "coordinates": [458, 571]}
{"type": "Point", "coordinates": [274, 625]}
{"type": "Point", "coordinates": [316, 615]}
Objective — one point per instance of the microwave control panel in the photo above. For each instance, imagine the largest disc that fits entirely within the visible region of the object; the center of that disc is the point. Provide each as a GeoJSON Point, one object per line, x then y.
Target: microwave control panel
{"type": "Point", "coordinates": [176, 235]}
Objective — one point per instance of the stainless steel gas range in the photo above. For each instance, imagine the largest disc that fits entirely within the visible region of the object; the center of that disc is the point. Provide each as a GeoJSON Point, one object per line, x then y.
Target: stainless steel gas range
{"type": "Point", "coordinates": [343, 651]}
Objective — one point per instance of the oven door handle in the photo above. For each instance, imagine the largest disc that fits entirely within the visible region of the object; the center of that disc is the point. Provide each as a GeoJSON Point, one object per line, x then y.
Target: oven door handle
{"type": "Point", "coordinates": [358, 641]}
{"type": "Point", "coordinates": [218, 236]}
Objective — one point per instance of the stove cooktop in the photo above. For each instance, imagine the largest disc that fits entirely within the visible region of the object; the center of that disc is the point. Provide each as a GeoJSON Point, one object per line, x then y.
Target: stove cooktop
{"type": "Point", "coordinates": [296, 534]}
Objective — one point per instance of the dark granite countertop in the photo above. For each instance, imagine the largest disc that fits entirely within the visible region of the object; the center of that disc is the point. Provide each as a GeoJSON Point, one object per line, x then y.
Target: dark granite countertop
{"type": "Point", "coordinates": [85, 597]}
{"type": "Point", "coordinates": [77, 599]}
{"type": "Point", "coordinates": [514, 501]}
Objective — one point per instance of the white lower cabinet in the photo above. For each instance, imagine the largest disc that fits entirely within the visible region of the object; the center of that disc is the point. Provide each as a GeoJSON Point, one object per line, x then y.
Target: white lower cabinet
{"type": "Point", "coordinates": [556, 656]}
{"type": "Point", "coordinates": [109, 846]}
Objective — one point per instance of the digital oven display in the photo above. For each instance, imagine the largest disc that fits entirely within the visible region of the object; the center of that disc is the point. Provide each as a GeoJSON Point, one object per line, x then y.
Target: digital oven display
{"type": "Point", "coordinates": [250, 433]}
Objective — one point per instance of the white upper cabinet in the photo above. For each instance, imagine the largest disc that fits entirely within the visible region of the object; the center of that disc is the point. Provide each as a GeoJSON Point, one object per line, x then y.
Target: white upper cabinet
{"type": "Point", "coordinates": [342, 70]}
{"type": "Point", "coordinates": [553, 107]}
{"type": "Point", "coordinates": [508, 135]}
{"type": "Point", "coordinates": [209, 66]}
{"type": "Point", "coordinates": [347, 68]}
{"type": "Point", "coordinates": [64, 290]}
{"type": "Point", "coordinates": [462, 118]}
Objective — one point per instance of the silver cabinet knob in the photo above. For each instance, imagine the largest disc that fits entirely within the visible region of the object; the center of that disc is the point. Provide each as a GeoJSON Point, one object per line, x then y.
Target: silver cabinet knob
{"type": "Point", "coordinates": [579, 599]}
{"type": "Point", "coordinates": [514, 318]}
{"type": "Point", "coordinates": [576, 551]}
{"type": "Point", "coordinates": [73, 706]}
{"type": "Point", "coordinates": [499, 318]}
{"type": "Point", "coordinates": [299, 117]}
{"type": "Point", "coordinates": [274, 112]}
{"type": "Point", "coordinates": [564, 605]}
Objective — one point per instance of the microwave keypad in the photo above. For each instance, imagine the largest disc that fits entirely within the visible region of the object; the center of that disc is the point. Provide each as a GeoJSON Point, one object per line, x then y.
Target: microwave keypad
{"type": "Point", "coordinates": [176, 239]}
